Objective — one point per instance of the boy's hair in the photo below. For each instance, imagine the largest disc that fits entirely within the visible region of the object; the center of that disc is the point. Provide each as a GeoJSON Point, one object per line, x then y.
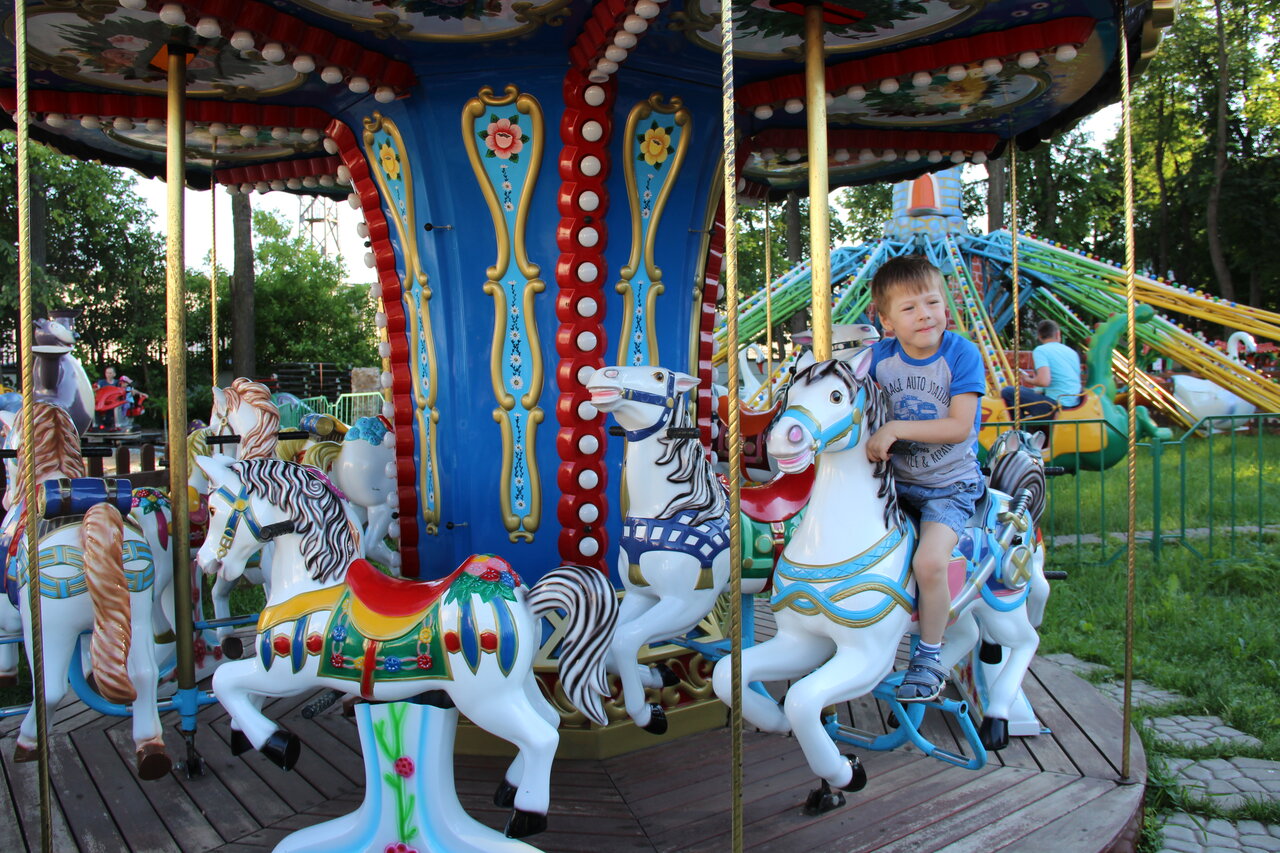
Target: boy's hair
{"type": "Point", "coordinates": [1047, 329]}
{"type": "Point", "coordinates": [912, 272]}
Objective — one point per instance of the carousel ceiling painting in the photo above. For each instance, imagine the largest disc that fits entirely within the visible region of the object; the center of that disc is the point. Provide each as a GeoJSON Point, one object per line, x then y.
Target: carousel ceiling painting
{"type": "Point", "coordinates": [540, 184]}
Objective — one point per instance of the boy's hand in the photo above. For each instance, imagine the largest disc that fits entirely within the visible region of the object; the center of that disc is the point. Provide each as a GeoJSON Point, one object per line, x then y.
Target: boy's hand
{"type": "Point", "coordinates": [880, 442]}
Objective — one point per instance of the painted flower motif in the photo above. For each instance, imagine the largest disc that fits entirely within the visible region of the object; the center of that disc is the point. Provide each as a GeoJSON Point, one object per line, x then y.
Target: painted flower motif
{"type": "Point", "coordinates": [390, 162]}
{"type": "Point", "coordinates": [339, 633]}
{"type": "Point", "coordinates": [647, 195]}
{"type": "Point", "coordinates": [128, 42]}
{"type": "Point", "coordinates": [655, 145]}
{"type": "Point", "coordinates": [508, 579]}
{"type": "Point", "coordinates": [337, 660]}
{"type": "Point", "coordinates": [506, 185]}
{"type": "Point", "coordinates": [425, 661]}
{"type": "Point", "coordinates": [490, 575]}
{"type": "Point", "coordinates": [515, 334]}
{"type": "Point", "coordinates": [519, 505]}
{"type": "Point", "coordinates": [504, 138]}
{"type": "Point", "coordinates": [517, 382]}
{"type": "Point", "coordinates": [967, 92]}
{"type": "Point", "coordinates": [391, 663]}
{"type": "Point", "coordinates": [519, 481]}
{"type": "Point", "coordinates": [404, 766]}
{"type": "Point", "coordinates": [399, 847]}
{"type": "Point", "coordinates": [508, 206]}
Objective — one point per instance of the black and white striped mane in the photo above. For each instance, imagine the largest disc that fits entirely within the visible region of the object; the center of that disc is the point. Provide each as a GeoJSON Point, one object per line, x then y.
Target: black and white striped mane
{"type": "Point", "coordinates": [874, 416]}
{"type": "Point", "coordinates": [328, 544]}
{"type": "Point", "coordinates": [703, 493]}
{"type": "Point", "coordinates": [1016, 464]}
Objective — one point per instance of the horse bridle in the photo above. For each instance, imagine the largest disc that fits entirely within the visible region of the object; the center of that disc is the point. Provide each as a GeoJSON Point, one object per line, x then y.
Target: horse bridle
{"type": "Point", "coordinates": [667, 401]}
{"type": "Point", "coordinates": [241, 509]}
{"type": "Point", "coordinates": [823, 437]}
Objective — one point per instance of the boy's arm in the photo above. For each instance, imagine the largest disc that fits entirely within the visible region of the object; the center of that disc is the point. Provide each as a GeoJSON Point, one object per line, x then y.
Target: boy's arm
{"type": "Point", "coordinates": [953, 429]}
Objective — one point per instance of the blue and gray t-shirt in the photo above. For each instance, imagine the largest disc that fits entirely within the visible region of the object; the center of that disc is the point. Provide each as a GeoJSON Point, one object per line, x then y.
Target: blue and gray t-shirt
{"type": "Point", "coordinates": [921, 390]}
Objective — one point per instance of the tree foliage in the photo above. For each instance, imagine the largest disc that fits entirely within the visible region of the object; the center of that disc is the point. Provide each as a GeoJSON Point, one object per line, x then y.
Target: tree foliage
{"type": "Point", "coordinates": [100, 254]}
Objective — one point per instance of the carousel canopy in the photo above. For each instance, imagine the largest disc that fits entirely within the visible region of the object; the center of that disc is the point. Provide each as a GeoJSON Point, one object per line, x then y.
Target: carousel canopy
{"type": "Point", "coordinates": [912, 85]}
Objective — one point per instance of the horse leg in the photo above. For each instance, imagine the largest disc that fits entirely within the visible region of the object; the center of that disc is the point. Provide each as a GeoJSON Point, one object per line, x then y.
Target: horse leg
{"type": "Point", "coordinates": [508, 713]}
{"type": "Point", "coordinates": [59, 644]}
{"type": "Point", "coordinates": [10, 623]}
{"type": "Point", "coordinates": [153, 762]}
{"type": "Point", "coordinates": [659, 622]}
{"type": "Point", "coordinates": [1013, 631]}
{"type": "Point", "coordinates": [781, 657]}
{"type": "Point", "coordinates": [238, 686]}
{"type": "Point", "coordinates": [221, 595]}
{"type": "Point", "coordinates": [846, 675]}
{"type": "Point", "coordinates": [505, 796]}
{"type": "Point", "coordinates": [633, 605]}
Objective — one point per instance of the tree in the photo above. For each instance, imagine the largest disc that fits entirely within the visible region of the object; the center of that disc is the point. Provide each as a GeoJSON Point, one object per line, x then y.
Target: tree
{"type": "Point", "coordinates": [303, 310]}
{"type": "Point", "coordinates": [244, 336]}
{"type": "Point", "coordinates": [100, 254]}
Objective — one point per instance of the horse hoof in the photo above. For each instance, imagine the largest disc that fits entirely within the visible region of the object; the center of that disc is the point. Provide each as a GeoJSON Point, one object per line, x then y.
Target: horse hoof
{"type": "Point", "coordinates": [823, 800]}
{"type": "Point", "coordinates": [282, 749]}
{"type": "Point", "coordinates": [240, 743]}
{"type": "Point", "coordinates": [669, 678]}
{"type": "Point", "coordinates": [657, 720]}
{"type": "Point", "coordinates": [991, 653]}
{"type": "Point", "coordinates": [505, 796]}
{"type": "Point", "coordinates": [232, 647]}
{"type": "Point", "coordinates": [994, 733]}
{"type": "Point", "coordinates": [153, 762]}
{"type": "Point", "coordinates": [858, 780]}
{"type": "Point", "coordinates": [23, 754]}
{"type": "Point", "coordinates": [523, 824]}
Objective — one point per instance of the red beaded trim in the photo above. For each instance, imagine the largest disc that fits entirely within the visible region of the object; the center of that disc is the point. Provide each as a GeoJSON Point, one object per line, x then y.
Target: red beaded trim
{"type": "Point", "coordinates": [149, 107]}
{"type": "Point", "coordinates": [401, 393]}
{"type": "Point", "coordinates": [575, 362]}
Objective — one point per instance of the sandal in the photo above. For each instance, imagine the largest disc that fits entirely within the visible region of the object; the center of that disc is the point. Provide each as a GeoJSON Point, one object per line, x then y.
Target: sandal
{"type": "Point", "coordinates": [924, 681]}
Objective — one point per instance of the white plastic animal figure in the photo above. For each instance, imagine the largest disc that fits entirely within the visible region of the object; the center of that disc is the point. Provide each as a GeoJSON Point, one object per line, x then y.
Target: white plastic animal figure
{"type": "Point", "coordinates": [334, 621]}
{"type": "Point", "coordinates": [1205, 399]}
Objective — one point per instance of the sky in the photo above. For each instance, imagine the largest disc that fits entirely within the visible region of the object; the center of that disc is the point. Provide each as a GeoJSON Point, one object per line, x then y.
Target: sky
{"type": "Point", "coordinates": [200, 223]}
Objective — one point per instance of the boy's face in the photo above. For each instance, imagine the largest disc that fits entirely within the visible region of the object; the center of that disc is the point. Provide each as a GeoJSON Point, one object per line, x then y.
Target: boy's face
{"type": "Point", "coordinates": [917, 317]}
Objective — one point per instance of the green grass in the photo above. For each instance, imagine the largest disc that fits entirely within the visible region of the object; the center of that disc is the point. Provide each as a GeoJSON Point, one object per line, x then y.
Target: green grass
{"type": "Point", "coordinates": [1224, 483]}
{"type": "Point", "coordinates": [1208, 630]}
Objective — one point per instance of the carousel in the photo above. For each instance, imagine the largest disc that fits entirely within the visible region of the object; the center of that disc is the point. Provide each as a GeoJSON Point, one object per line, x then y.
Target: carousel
{"type": "Point", "coordinates": [548, 192]}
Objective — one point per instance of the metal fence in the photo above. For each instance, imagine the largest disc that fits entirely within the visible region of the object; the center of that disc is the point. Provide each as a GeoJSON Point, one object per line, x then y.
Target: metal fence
{"type": "Point", "coordinates": [348, 408]}
{"type": "Point", "coordinates": [1214, 490]}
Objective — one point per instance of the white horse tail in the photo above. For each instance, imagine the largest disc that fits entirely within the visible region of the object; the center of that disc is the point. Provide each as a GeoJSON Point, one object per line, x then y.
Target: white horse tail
{"type": "Point", "coordinates": [102, 541]}
{"type": "Point", "coordinates": [588, 599]}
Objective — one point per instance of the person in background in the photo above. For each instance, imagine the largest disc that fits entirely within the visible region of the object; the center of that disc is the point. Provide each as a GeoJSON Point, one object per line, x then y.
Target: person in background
{"type": "Point", "coordinates": [106, 418]}
{"type": "Point", "coordinates": [1057, 371]}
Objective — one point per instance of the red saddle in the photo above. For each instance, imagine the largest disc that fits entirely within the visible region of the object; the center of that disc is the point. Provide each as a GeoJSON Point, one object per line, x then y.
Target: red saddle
{"type": "Point", "coordinates": [751, 421]}
{"type": "Point", "coordinates": [780, 498]}
{"type": "Point", "coordinates": [108, 397]}
{"type": "Point", "coordinates": [399, 597]}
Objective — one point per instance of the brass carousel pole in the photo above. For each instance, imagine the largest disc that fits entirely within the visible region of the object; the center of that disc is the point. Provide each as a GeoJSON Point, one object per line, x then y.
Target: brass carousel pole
{"type": "Point", "coordinates": [26, 312]}
{"type": "Point", "coordinates": [213, 264]}
{"type": "Point", "coordinates": [768, 302]}
{"type": "Point", "coordinates": [176, 350]}
{"type": "Point", "coordinates": [815, 86]}
{"type": "Point", "coordinates": [730, 281]}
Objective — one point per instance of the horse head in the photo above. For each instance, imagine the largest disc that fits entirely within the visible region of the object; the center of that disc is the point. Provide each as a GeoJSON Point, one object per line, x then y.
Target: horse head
{"type": "Point", "coordinates": [643, 399]}
{"type": "Point", "coordinates": [364, 470]}
{"type": "Point", "coordinates": [246, 409]}
{"type": "Point", "coordinates": [1016, 462]}
{"type": "Point", "coordinates": [829, 407]}
{"type": "Point", "coordinates": [236, 520]}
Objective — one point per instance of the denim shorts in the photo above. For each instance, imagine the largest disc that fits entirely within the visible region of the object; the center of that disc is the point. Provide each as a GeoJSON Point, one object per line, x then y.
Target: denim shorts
{"type": "Point", "coordinates": [950, 505]}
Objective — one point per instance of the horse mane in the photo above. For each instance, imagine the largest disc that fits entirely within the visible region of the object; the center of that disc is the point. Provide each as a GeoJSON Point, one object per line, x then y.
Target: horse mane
{"type": "Point", "coordinates": [702, 493]}
{"type": "Point", "coordinates": [291, 449]}
{"type": "Point", "coordinates": [874, 416]}
{"type": "Point", "coordinates": [328, 543]}
{"type": "Point", "coordinates": [322, 455]}
{"type": "Point", "coordinates": [1014, 468]}
{"type": "Point", "coordinates": [56, 447]}
{"type": "Point", "coordinates": [197, 445]}
{"type": "Point", "coordinates": [259, 441]}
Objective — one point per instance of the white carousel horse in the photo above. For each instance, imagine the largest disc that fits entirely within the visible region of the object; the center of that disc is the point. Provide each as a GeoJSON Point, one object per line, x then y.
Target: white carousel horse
{"type": "Point", "coordinates": [361, 465]}
{"type": "Point", "coordinates": [1205, 399]}
{"type": "Point", "coordinates": [843, 590]}
{"type": "Point", "coordinates": [97, 572]}
{"type": "Point", "coordinates": [334, 621]}
{"type": "Point", "coordinates": [673, 558]}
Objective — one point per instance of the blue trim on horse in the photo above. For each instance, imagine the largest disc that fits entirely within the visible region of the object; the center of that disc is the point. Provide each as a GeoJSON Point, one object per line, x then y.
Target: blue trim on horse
{"type": "Point", "coordinates": [508, 640]}
{"type": "Point", "coordinates": [298, 648]}
{"type": "Point", "coordinates": [703, 542]}
{"type": "Point", "coordinates": [667, 401]}
{"type": "Point", "coordinates": [469, 633]}
{"type": "Point", "coordinates": [813, 590]}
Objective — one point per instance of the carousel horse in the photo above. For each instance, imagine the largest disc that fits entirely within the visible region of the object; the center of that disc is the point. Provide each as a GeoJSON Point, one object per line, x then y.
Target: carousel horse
{"type": "Point", "coordinates": [674, 554]}
{"type": "Point", "coordinates": [100, 570]}
{"type": "Point", "coordinates": [1205, 399]}
{"type": "Point", "coordinates": [843, 590]}
{"type": "Point", "coordinates": [335, 621]}
{"type": "Point", "coordinates": [59, 377]}
{"type": "Point", "coordinates": [1016, 464]}
{"type": "Point", "coordinates": [1088, 447]}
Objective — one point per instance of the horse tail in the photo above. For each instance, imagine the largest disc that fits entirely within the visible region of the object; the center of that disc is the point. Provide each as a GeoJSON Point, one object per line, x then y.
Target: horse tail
{"type": "Point", "coordinates": [102, 541]}
{"type": "Point", "coordinates": [589, 601]}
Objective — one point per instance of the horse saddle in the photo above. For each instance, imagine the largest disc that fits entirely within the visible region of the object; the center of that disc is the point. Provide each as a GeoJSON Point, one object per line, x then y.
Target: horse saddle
{"type": "Point", "coordinates": [751, 421]}
{"type": "Point", "coordinates": [383, 607]}
{"type": "Point", "coordinates": [780, 498]}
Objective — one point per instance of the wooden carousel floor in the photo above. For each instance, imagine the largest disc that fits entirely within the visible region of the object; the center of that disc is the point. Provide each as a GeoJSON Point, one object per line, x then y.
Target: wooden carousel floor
{"type": "Point", "coordinates": [1055, 792]}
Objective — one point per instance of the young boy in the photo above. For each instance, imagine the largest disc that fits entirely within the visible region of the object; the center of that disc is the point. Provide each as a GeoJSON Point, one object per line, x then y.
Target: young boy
{"type": "Point", "coordinates": [934, 379]}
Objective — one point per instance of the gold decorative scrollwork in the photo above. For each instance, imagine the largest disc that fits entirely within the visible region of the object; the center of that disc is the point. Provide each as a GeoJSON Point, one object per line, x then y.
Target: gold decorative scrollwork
{"type": "Point", "coordinates": [389, 163]}
{"type": "Point", "coordinates": [507, 173]}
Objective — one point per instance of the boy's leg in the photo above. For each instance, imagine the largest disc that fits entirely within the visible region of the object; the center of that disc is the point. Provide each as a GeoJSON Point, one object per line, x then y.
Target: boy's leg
{"type": "Point", "coordinates": [925, 676]}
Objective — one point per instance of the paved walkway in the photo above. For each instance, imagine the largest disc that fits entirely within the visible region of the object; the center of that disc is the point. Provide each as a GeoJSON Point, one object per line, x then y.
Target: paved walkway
{"type": "Point", "coordinates": [1227, 783]}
